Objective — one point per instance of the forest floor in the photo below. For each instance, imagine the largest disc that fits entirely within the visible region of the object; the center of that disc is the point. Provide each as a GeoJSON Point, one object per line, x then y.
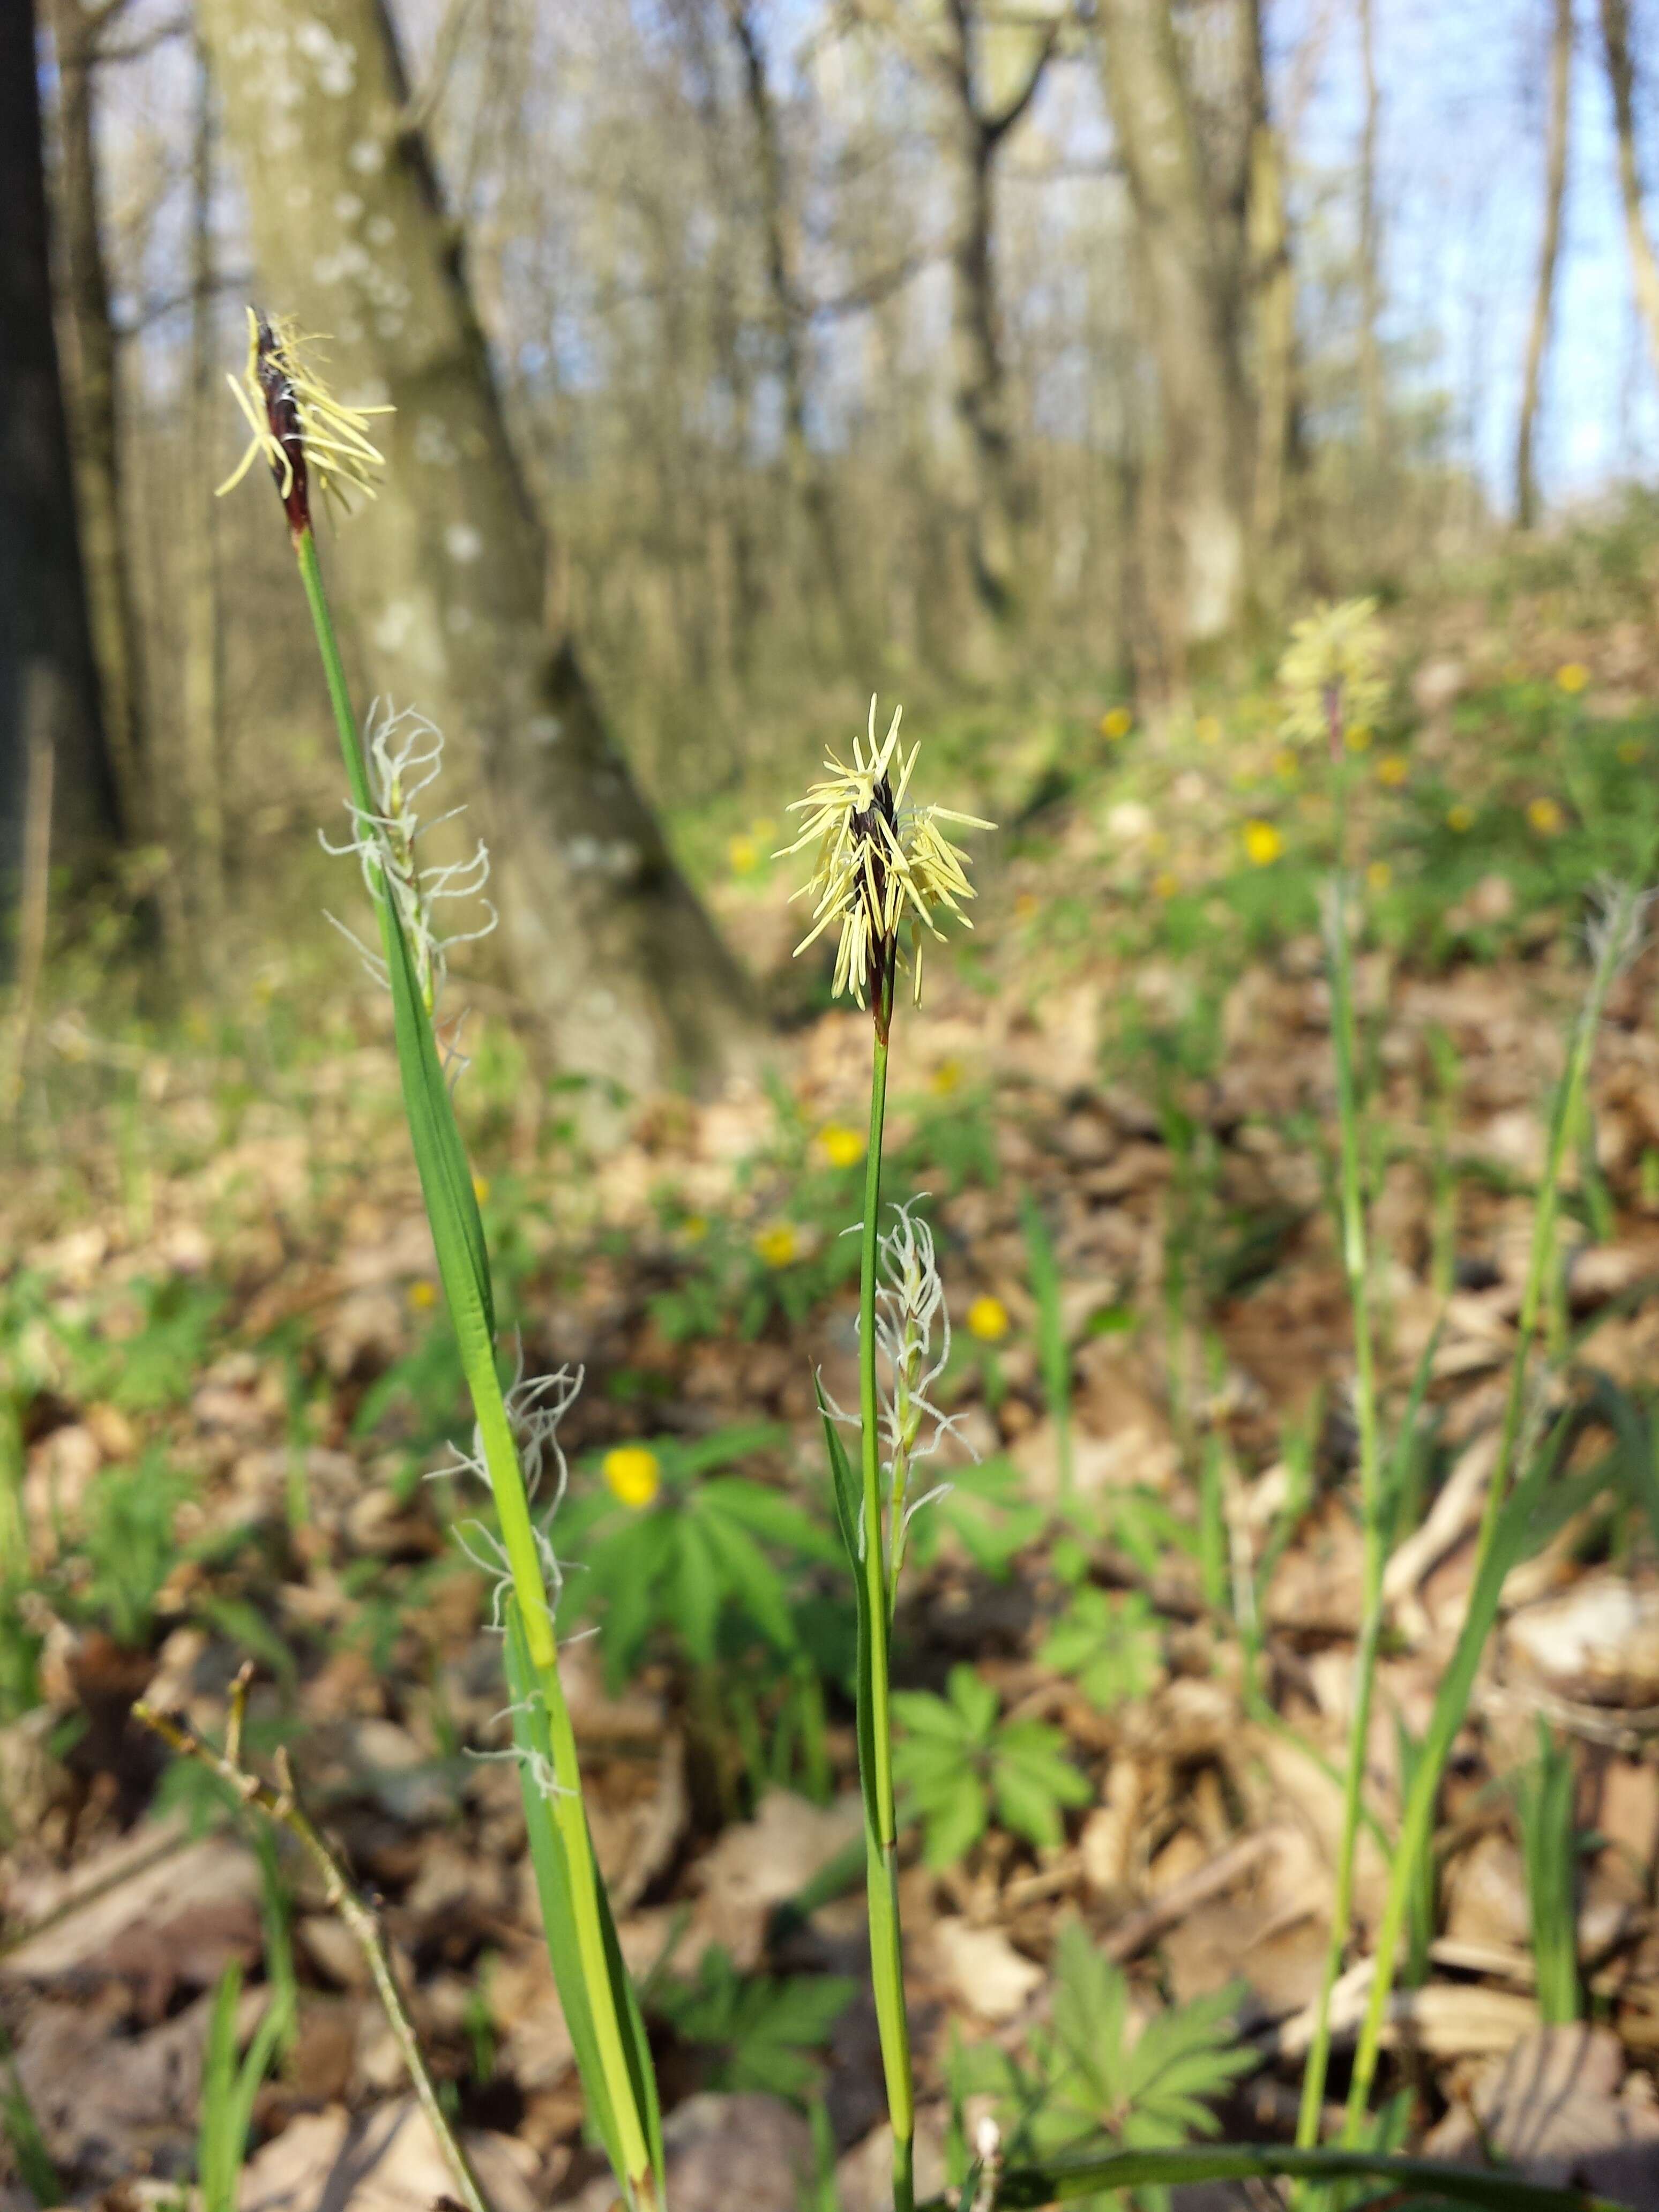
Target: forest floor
{"type": "Point", "coordinates": [229, 1375]}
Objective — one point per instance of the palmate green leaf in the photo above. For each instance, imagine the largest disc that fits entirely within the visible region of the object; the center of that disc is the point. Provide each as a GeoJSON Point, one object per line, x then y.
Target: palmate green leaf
{"type": "Point", "coordinates": [687, 1458]}
{"type": "Point", "coordinates": [1060, 2181]}
{"type": "Point", "coordinates": [694, 1580]}
{"type": "Point", "coordinates": [748, 1572]}
{"type": "Point", "coordinates": [954, 1818]}
{"type": "Point", "coordinates": [771, 1516]}
{"type": "Point", "coordinates": [974, 1698]}
{"type": "Point", "coordinates": [1109, 1644]}
{"type": "Point", "coordinates": [926, 1715]}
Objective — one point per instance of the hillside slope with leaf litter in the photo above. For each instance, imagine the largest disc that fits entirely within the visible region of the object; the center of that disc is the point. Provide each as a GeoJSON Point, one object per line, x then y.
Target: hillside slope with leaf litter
{"type": "Point", "coordinates": [1126, 1654]}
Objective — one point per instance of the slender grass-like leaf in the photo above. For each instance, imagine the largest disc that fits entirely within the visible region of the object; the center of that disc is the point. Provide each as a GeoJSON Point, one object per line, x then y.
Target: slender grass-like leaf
{"type": "Point", "coordinates": [1026, 2189]}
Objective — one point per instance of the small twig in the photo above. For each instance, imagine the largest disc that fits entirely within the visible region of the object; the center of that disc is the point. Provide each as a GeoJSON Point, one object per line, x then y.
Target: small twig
{"type": "Point", "coordinates": [283, 1806]}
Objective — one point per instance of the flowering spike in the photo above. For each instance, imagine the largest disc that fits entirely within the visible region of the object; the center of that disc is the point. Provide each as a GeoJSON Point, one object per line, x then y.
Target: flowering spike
{"type": "Point", "coordinates": [299, 427]}
{"type": "Point", "coordinates": [877, 860]}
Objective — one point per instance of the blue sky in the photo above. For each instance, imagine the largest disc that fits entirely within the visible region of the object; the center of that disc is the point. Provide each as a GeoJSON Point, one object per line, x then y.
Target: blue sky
{"type": "Point", "coordinates": [1463, 87]}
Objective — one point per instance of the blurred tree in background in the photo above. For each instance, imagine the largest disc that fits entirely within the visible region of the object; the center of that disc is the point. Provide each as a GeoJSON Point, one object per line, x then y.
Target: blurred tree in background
{"type": "Point", "coordinates": [750, 355]}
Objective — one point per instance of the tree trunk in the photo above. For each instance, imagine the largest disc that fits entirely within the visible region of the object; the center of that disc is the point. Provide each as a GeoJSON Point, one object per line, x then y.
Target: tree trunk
{"type": "Point", "coordinates": [980, 380]}
{"type": "Point", "coordinates": [1555, 185]}
{"type": "Point", "coordinates": [990, 485]}
{"type": "Point", "coordinates": [806, 473]}
{"type": "Point", "coordinates": [443, 572]}
{"type": "Point", "coordinates": [48, 676]}
{"type": "Point", "coordinates": [1270, 295]}
{"type": "Point", "coordinates": [1645, 269]}
{"type": "Point", "coordinates": [94, 406]}
{"type": "Point", "coordinates": [1200, 385]}
{"type": "Point", "coordinates": [200, 687]}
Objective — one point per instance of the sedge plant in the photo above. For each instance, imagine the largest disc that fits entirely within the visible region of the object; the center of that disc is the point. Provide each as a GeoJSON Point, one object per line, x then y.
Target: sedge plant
{"type": "Point", "coordinates": [1331, 674]}
{"type": "Point", "coordinates": [313, 443]}
{"type": "Point", "coordinates": [881, 868]}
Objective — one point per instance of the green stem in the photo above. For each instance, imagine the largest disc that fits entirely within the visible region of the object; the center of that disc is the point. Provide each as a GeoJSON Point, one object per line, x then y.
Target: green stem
{"type": "Point", "coordinates": [1417, 1816]}
{"type": "Point", "coordinates": [886, 1955]}
{"type": "Point", "coordinates": [506, 1483]}
{"type": "Point", "coordinates": [1357, 1268]}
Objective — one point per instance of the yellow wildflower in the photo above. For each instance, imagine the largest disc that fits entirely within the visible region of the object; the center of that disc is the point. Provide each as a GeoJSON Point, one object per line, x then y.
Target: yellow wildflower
{"type": "Point", "coordinates": [633, 1474]}
{"type": "Point", "coordinates": [878, 862]}
{"type": "Point", "coordinates": [987, 1319]}
{"type": "Point", "coordinates": [1116, 722]}
{"type": "Point", "coordinates": [694, 1228]}
{"type": "Point", "coordinates": [1207, 730]}
{"type": "Point", "coordinates": [297, 426]}
{"type": "Point", "coordinates": [945, 1079]}
{"type": "Point", "coordinates": [480, 1188]}
{"type": "Point", "coordinates": [1379, 875]}
{"type": "Point", "coordinates": [842, 1145]}
{"type": "Point", "coordinates": [1393, 770]}
{"type": "Point", "coordinates": [423, 1294]}
{"type": "Point", "coordinates": [1165, 884]}
{"type": "Point", "coordinates": [779, 1244]}
{"type": "Point", "coordinates": [1460, 816]}
{"type": "Point", "coordinates": [1572, 677]}
{"type": "Point", "coordinates": [1262, 843]}
{"type": "Point", "coordinates": [744, 853]}
{"type": "Point", "coordinates": [1546, 816]}
{"type": "Point", "coordinates": [1357, 737]}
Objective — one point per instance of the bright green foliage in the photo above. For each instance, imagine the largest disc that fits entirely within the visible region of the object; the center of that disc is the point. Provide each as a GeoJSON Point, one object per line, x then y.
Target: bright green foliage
{"type": "Point", "coordinates": [21, 2133]}
{"type": "Point", "coordinates": [959, 1766]}
{"type": "Point", "coordinates": [987, 1510]}
{"type": "Point", "coordinates": [1544, 1795]}
{"type": "Point", "coordinates": [1108, 1644]}
{"type": "Point", "coordinates": [1093, 2083]}
{"type": "Point", "coordinates": [129, 1549]}
{"type": "Point", "coordinates": [158, 1363]}
{"type": "Point", "coordinates": [708, 1545]}
{"type": "Point", "coordinates": [228, 2090]}
{"type": "Point", "coordinates": [767, 2031]}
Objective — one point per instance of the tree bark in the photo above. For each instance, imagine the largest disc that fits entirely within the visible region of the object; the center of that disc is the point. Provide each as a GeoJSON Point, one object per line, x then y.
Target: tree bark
{"type": "Point", "coordinates": [48, 675]}
{"type": "Point", "coordinates": [94, 396]}
{"type": "Point", "coordinates": [1199, 383]}
{"type": "Point", "coordinates": [1621, 75]}
{"type": "Point", "coordinates": [200, 685]}
{"type": "Point", "coordinates": [789, 323]}
{"type": "Point", "coordinates": [1543, 305]}
{"type": "Point", "coordinates": [979, 370]}
{"type": "Point", "coordinates": [1271, 296]}
{"type": "Point", "coordinates": [443, 572]}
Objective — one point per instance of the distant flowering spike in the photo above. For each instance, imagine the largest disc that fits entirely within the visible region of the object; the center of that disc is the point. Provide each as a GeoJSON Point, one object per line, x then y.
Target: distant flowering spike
{"type": "Point", "coordinates": [299, 429]}
{"type": "Point", "coordinates": [1332, 673]}
{"type": "Point", "coordinates": [878, 862]}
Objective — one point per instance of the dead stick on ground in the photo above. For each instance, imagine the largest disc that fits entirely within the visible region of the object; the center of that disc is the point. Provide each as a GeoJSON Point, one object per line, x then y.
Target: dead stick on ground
{"type": "Point", "coordinates": [283, 1806]}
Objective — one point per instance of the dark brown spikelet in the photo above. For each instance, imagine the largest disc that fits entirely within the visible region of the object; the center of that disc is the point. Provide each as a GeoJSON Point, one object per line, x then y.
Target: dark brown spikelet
{"type": "Point", "coordinates": [282, 413]}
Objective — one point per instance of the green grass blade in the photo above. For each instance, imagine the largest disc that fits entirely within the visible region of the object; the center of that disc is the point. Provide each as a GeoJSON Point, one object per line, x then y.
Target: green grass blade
{"type": "Point", "coordinates": [553, 1891]}
{"type": "Point", "coordinates": [1023, 2189]}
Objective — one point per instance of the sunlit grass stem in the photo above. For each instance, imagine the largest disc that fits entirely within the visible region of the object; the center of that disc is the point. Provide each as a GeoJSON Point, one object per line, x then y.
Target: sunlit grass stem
{"type": "Point", "coordinates": [1417, 1818]}
{"type": "Point", "coordinates": [506, 1483]}
{"type": "Point", "coordinates": [1356, 1268]}
{"type": "Point", "coordinates": [886, 1955]}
